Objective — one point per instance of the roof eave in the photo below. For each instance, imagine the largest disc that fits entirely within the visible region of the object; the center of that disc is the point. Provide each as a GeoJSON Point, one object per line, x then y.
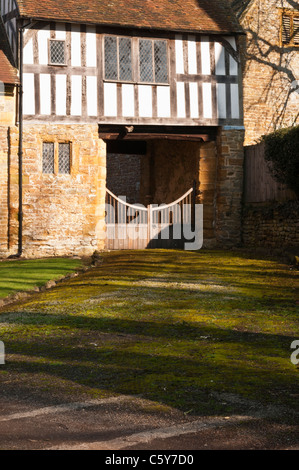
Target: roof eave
{"type": "Point", "coordinates": [239, 31]}
{"type": "Point", "coordinates": [10, 82]}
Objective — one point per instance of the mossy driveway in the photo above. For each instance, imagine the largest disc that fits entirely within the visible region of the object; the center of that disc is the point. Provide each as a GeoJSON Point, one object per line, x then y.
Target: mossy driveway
{"type": "Point", "coordinates": [203, 332]}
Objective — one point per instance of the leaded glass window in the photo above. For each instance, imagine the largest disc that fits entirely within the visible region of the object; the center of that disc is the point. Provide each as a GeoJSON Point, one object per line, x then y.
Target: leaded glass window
{"type": "Point", "coordinates": [57, 52]}
{"type": "Point", "coordinates": [161, 68]}
{"type": "Point", "coordinates": [151, 63]}
{"type": "Point", "coordinates": [118, 58]}
{"type": "Point", "coordinates": [64, 163]}
{"type": "Point", "coordinates": [48, 157]}
{"type": "Point", "coordinates": [153, 67]}
{"type": "Point", "coordinates": [125, 59]}
{"type": "Point", "coordinates": [56, 156]}
{"type": "Point", "coordinates": [111, 58]}
{"type": "Point", "coordinates": [146, 60]}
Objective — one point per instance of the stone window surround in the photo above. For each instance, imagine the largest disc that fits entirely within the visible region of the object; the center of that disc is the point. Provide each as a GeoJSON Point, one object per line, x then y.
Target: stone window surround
{"type": "Point", "coordinates": [56, 143]}
{"type": "Point", "coordinates": [292, 14]}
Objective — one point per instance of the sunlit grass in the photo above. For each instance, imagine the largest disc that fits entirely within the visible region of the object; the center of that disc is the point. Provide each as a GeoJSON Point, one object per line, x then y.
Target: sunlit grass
{"type": "Point", "coordinates": [179, 328]}
{"type": "Point", "coordinates": [24, 275]}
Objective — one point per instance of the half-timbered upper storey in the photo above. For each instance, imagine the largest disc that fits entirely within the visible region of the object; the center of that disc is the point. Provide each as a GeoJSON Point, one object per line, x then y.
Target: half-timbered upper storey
{"type": "Point", "coordinates": [128, 62]}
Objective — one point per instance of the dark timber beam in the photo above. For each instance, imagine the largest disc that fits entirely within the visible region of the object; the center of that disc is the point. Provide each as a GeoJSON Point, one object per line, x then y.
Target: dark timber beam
{"type": "Point", "coordinates": [192, 133]}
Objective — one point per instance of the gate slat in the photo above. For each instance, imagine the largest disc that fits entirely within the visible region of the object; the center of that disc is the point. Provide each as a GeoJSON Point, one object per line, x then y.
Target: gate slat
{"type": "Point", "coordinates": [151, 223]}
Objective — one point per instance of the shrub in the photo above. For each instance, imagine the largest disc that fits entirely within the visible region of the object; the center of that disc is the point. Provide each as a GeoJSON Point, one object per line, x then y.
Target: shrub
{"type": "Point", "coordinates": [282, 154]}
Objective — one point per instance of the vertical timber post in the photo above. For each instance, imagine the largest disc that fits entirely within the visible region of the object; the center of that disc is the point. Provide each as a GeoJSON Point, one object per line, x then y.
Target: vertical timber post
{"type": "Point", "coordinates": [193, 206]}
{"type": "Point", "coordinates": [149, 225]}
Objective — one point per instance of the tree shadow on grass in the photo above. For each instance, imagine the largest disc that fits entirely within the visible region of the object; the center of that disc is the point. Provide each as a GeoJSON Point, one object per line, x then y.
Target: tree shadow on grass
{"type": "Point", "coordinates": [143, 340]}
{"type": "Point", "coordinates": [175, 365]}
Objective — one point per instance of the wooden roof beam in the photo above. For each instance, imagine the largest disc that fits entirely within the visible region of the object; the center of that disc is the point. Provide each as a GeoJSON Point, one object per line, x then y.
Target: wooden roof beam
{"type": "Point", "coordinates": [196, 134]}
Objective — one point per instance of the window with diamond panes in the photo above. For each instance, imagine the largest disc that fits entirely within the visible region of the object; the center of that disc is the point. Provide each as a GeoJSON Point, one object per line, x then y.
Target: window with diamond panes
{"type": "Point", "coordinates": [48, 158]}
{"type": "Point", "coordinates": [146, 61]}
{"type": "Point", "coordinates": [64, 158]}
{"type": "Point", "coordinates": [161, 67]}
{"type": "Point", "coordinates": [118, 58]}
{"type": "Point", "coordinates": [57, 52]}
{"type": "Point", "coordinates": [111, 58]}
{"type": "Point", "coordinates": [153, 66]}
{"type": "Point", "coordinates": [125, 59]}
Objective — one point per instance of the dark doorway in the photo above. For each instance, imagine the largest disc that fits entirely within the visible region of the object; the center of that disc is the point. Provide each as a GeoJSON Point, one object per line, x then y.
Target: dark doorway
{"type": "Point", "coordinates": [124, 168]}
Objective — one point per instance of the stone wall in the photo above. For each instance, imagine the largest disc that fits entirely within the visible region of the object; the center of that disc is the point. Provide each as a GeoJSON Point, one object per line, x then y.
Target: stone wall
{"type": "Point", "coordinates": [229, 186]}
{"type": "Point", "coordinates": [207, 178]}
{"type": "Point", "coordinates": [123, 175]}
{"type": "Point", "coordinates": [7, 104]}
{"type": "Point", "coordinates": [7, 120]}
{"type": "Point", "coordinates": [269, 71]}
{"type": "Point", "coordinates": [272, 225]}
{"type": "Point", "coordinates": [62, 213]}
{"type": "Point", "coordinates": [217, 167]}
{"type": "Point", "coordinates": [170, 171]}
{"type": "Point", "coordinates": [3, 188]}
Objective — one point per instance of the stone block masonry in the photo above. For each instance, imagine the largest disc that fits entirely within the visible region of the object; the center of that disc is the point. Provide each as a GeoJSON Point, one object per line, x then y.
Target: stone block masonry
{"type": "Point", "coordinates": [229, 186]}
{"type": "Point", "coordinates": [271, 225]}
{"type": "Point", "coordinates": [7, 104]}
{"type": "Point", "coordinates": [123, 175]}
{"type": "Point", "coordinates": [270, 71]}
{"type": "Point", "coordinates": [7, 119]}
{"type": "Point", "coordinates": [4, 138]}
{"type": "Point", "coordinates": [216, 166]}
{"type": "Point", "coordinates": [61, 212]}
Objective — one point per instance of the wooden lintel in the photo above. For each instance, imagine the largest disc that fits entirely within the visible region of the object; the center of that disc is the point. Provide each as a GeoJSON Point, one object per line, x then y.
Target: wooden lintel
{"type": "Point", "coordinates": [158, 136]}
{"type": "Point", "coordinates": [148, 132]}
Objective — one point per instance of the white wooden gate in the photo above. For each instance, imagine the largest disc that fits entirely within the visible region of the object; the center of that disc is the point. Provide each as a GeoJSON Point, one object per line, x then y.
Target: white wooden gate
{"type": "Point", "coordinates": [136, 227]}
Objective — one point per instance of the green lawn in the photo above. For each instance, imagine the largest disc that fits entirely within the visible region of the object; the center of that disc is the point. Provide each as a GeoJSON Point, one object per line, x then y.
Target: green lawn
{"type": "Point", "coordinates": [24, 275]}
{"type": "Point", "coordinates": [198, 331]}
